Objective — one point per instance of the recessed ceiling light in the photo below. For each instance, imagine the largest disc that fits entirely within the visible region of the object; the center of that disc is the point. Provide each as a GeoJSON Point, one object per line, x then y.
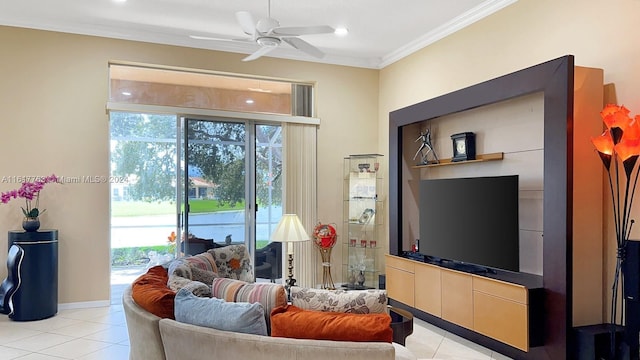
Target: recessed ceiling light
{"type": "Point", "coordinates": [249, 101]}
{"type": "Point", "coordinates": [119, 1]}
{"type": "Point", "coordinates": [341, 31]}
{"type": "Point", "coordinates": [126, 93]}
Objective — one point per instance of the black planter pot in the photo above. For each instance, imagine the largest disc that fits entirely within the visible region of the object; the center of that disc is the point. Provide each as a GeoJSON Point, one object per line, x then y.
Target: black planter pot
{"type": "Point", "coordinates": [31, 224]}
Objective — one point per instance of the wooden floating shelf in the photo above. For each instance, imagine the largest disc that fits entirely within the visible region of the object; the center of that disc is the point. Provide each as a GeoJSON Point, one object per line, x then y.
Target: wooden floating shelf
{"type": "Point", "coordinates": [479, 158]}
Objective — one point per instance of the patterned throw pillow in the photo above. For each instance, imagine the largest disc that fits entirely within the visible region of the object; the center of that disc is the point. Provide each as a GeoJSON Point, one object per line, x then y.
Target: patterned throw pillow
{"type": "Point", "coordinates": [268, 294]}
{"type": "Point", "coordinates": [233, 262]}
{"type": "Point", "coordinates": [218, 314]}
{"type": "Point", "coordinates": [198, 288]}
{"type": "Point", "coordinates": [201, 267]}
{"type": "Point", "coordinates": [204, 261]}
{"type": "Point", "coordinates": [352, 301]}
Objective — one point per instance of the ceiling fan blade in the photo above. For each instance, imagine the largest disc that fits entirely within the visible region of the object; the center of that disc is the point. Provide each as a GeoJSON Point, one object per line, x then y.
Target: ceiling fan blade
{"type": "Point", "coordinates": [262, 51]}
{"type": "Point", "coordinates": [198, 37]}
{"type": "Point", "coordinates": [212, 38]}
{"type": "Point", "coordinates": [302, 30]}
{"type": "Point", "coordinates": [245, 19]}
{"type": "Point", "coordinates": [303, 46]}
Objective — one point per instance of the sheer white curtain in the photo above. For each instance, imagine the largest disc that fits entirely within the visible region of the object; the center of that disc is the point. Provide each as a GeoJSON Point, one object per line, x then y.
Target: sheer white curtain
{"type": "Point", "coordinates": [300, 187]}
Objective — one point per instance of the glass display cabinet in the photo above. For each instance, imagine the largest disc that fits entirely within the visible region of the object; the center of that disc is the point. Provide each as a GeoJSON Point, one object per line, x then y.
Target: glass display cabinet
{"type": "Point", "coordinates": [362, 201]}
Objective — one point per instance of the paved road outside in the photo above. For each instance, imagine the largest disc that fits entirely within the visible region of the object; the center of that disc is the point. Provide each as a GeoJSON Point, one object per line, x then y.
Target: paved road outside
{"type": "Point", "coordinates": [154, 230]}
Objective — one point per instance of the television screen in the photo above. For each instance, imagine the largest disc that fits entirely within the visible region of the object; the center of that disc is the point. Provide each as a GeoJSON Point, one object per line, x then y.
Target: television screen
{"type": "Point", "coordinates": [471, 220]}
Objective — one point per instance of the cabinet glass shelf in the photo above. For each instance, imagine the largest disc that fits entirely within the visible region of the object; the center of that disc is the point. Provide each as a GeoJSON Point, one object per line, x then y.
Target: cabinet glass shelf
{"type": "Point", "coordinates": [362, 201]}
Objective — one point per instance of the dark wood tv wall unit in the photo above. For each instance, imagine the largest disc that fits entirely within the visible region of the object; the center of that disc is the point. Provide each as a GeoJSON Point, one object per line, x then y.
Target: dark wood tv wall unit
{"type": "Point", "coordinates": [551, 293]}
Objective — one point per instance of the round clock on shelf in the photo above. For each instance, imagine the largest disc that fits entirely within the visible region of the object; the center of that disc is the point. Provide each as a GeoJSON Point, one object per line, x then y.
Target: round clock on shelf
{"type": "Point", "coordinates": [464, 146]}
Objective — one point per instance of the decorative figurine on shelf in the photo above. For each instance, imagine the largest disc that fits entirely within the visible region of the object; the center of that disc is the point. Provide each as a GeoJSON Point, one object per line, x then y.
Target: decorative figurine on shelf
{"type": "Point", "coordinates": [360, 279]}
{"type": "Point", "coordinates": [351, 279]}
{"type": "Point", "coordinates": [324, 236]}
{"type": "Point", "coordinates": [425, 149]}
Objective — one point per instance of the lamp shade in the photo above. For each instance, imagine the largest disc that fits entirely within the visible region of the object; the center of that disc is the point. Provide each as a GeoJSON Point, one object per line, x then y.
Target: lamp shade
{"type": "Point", "coordinates": [289, 229]}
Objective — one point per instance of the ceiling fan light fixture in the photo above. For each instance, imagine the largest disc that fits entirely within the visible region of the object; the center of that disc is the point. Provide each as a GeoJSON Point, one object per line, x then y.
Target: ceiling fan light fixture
{"type": "Point", "coordinates": [341, 31]}
{"type": "Point", "coordinates": [268, 41]}
{"type": "Point", "coordinates": [265, 25]}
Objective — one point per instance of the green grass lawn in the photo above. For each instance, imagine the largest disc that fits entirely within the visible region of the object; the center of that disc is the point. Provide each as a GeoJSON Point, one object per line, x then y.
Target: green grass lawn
{"type": "Point", "coordinates": [138, 255]}
{"type": "Point", "coordinates": [143, 208]}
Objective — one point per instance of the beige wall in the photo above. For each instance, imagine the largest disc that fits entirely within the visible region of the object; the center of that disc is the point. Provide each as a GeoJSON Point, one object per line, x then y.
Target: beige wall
{"type": "Point", "coordinates": [52, 105]}
{"type": "Point", "coordinates": [526, 33]}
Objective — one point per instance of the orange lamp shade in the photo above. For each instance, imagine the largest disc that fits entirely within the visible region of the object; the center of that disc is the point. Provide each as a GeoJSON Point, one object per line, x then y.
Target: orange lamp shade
{"type": "Point", "coordinates": [633, 130]}
{"type": "Point", "coordinates": [616, 116]}
{"type": "Point", "coordinates": [628, 148]}
{"type": "Point", "coordinates": [603, 143]}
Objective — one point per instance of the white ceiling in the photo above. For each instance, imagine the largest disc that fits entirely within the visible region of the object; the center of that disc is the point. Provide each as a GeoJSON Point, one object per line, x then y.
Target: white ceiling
{"type": "Point", "coordinates": [380, 31]}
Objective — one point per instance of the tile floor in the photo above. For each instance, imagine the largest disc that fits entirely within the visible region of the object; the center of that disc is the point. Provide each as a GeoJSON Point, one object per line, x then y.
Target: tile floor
{"type": "Point", "coordinates": [101, 334]}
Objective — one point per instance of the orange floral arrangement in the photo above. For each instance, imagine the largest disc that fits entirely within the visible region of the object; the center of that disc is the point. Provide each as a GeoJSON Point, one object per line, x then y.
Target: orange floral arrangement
{"type": "Point", "coordinates": [619, 148]}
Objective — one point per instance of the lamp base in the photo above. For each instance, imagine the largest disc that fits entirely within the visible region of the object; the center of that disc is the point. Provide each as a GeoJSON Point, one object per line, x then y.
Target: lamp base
{"type": "Point", "coordinates": [290, 280]}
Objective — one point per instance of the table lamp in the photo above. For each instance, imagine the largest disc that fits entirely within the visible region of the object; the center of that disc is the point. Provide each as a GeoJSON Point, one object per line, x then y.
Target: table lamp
{"type": "Point", "coordinates": [290, 230]}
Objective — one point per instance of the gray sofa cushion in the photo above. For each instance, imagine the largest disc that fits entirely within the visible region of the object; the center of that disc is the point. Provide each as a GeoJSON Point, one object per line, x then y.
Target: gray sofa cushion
{"type": "Point", "coordinates": [218, 314]}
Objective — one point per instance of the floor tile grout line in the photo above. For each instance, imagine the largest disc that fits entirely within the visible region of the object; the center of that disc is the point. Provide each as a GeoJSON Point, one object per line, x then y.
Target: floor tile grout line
{"type": "Point", "coordinates": [438, 347]}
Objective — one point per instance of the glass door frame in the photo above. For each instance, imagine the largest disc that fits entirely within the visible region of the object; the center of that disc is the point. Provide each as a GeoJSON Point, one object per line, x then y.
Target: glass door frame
{"type": "Point", "coordinates": [182, 196]}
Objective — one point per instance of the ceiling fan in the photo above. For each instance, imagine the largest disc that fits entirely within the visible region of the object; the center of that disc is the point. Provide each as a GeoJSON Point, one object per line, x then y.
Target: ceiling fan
{"type": "Point", "coordinates": [268, 34]}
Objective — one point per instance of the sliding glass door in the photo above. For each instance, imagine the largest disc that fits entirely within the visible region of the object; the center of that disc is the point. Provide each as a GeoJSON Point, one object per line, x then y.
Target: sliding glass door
{"type": "Point", "coordinates": [222, 177]}
{"type": "Point", "coordinates": [232, 189]}
{"type": "Point", "coordinates": [216, 210]}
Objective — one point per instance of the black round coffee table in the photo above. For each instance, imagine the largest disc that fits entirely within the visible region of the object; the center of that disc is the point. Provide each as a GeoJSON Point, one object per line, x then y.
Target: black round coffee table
{"type": "Point", "coordinates": [401, 324]}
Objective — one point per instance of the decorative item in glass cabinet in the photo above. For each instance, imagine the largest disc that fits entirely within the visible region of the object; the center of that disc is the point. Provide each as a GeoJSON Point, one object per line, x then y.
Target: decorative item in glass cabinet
{"type": "Point", "coordinates": [366, 216]}
{"type": "Point", "coordinates": [360, 279]}
{"type": "Point", "coordinates": [351, 279]}
{"type": "Point", "coordinates": [364, 167]}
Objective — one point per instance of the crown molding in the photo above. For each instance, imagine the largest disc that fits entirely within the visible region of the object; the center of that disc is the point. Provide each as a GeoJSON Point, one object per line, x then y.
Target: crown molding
{"type": "Point", "coordinates": [458, 23]}
{"type": "Point", "coordinates": [132, 33]}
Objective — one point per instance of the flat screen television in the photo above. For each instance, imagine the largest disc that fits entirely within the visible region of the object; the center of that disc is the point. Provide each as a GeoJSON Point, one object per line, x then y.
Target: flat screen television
{"type": "Point", "coordinates": [471, 221]}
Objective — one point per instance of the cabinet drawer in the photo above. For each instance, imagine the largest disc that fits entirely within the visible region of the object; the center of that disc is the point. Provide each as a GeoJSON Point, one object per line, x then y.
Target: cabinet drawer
{"type": "Point", "coordinates": [400, 285]}
{"type": "Point", "coordinates": [400, 263]}
{"type": "Point", "coordinates": [517, 293]}
{"type": "Point", "coordinates": [501, 319]}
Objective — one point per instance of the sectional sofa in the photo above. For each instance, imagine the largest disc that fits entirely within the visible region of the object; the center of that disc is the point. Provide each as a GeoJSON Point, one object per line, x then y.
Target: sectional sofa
{"type": "Point", "coordinates": [156, 331]}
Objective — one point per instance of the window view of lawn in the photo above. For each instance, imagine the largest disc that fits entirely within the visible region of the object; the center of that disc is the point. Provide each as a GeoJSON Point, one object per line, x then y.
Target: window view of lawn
{"type": "Point", "coordinates": [144, 208]}
{"type": "Point", "coordinates": [213, 162]}
{"type": "Point", "coordinates": [140, 255]}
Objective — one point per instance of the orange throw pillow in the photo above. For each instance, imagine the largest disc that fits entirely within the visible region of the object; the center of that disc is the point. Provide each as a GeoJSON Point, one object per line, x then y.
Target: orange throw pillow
{"type": "Point", "coordinates": [150, 291]}
{"type": "Point", "coordinates": [292, 322]}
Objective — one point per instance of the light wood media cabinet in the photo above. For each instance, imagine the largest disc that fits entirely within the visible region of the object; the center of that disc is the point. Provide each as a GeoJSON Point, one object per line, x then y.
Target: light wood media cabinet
{"type": "Point", "coordinates": [572, 250]}
{"type": "Point", "coordinates": [502, 310]}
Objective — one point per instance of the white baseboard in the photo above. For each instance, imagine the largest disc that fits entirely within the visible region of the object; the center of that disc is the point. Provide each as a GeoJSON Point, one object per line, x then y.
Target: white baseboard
{"type": "Point", "coordinates": [84, 305]}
